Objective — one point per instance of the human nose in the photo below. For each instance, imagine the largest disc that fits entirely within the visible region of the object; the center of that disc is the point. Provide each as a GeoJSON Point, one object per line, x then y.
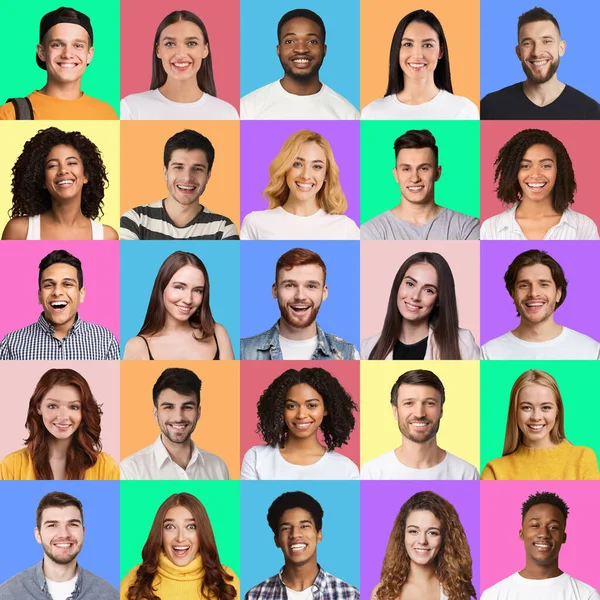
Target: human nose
{"type": "Point", "coordinates": [415, 293]}
{"type": "Point", "coordinates": [415, 176]}
{"type": "Point", "coordinates": [419, 410]}
{"type": "Point", "coordinates": [423, 538]}
{"type": "Point", "coordinates": [536, 414]}
{"type": "Point", "coordinates": [301, 412]}
{"type": "Point", "coordinates": [300, 292]}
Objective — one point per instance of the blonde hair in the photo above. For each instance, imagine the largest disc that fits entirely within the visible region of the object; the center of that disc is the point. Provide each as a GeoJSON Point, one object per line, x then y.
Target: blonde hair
{"type": "Point", "coordinates": [514, 436]}
{"type": "Point", "coordinates": [330, 197]}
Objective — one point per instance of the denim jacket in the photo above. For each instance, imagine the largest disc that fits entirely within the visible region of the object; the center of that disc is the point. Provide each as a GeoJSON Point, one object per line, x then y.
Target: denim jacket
{"type": "Point", "coordinates": [265, 346]}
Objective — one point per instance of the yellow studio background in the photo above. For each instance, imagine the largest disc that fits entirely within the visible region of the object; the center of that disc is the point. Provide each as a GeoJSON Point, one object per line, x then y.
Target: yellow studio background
{"type": "Point", "coordinates": [459, 427]}
{"type": "Point", "coordinates": [105, 134]}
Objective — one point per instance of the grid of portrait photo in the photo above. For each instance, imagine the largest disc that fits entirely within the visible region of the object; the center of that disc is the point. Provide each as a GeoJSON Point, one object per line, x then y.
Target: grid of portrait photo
{"type": "Point", "coordinates": [299, 300]}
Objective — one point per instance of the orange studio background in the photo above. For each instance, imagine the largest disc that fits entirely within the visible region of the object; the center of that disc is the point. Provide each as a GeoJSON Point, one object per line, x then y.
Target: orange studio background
{"type": "Point", "coordinates": [378, 21]}
{"type": "Point", "coordinates": [218, 430]}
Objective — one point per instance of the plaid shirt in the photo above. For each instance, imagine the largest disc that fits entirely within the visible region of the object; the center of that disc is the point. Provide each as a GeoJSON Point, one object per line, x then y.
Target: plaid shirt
{"type": "Point", "coordinates": [325, 587]}
{"type": "Point", "coordinates": [84, 341]}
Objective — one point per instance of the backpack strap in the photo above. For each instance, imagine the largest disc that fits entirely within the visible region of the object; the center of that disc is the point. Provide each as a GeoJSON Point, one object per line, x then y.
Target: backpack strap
{"type": "Point", "coordinates": [23, 108]}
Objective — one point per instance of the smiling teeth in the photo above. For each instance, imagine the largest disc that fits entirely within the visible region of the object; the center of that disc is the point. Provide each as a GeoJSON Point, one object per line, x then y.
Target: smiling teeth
{"type": "Point", "coordinates": [301, 60]}
{"type": "Point", "coordinates": [186, 64]}
{"type": "Point", "coordinates": [186, 187]}
{"type": "Point", "coordinates": [415, 188]}
{"type": "Point", "coordinates": [298, 546]}
{"type": "Point", "coordinates": [419, 424]}
{"type": "Point", "coordinates": [536, 427]}
{"type": "Point", "coordinates": [66, 182]}
{"type": "Point", "coordinates": [536, 185]}
{"type": "Point", "coordinates": [305, 186]}
{"type": "Point", "coordinates": [66, 545]}
{"type": "Point", "coordinates": [58, 304]}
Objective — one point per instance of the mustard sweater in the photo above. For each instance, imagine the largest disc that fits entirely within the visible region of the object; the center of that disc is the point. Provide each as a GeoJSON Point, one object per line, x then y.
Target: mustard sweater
{"type": "Point", "coordinates": [177, 583]}
{"type": "Point", "coordinates": [563, 461]}
{"type": "Point", "coordinates": [19, 465]}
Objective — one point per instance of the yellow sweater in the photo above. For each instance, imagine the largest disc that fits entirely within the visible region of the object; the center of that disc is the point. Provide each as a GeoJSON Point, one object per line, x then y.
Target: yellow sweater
{"type": "Point", "coordinates": [177, 583]}
{"type": "Point", "coordinates": [563, 461]}
{"type": "Point", "coordinates": [19, 465]}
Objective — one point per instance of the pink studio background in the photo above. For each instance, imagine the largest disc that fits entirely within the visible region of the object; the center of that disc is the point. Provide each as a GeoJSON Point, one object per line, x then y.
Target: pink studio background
{"type": "Point", "coordinates": [503, 553]}
{"type": "Point", "coordinates": [222, 21]}
{"type": "Point", "coordinates": [380, 261]}
{"type": "Point", "coordinates": [256, 376]}
{"type": "Point", "coordinates": [575, 136]}
{"type": "Point", "coordinates": [20, 261]}
{"type": "Point", "coordinates": [19, 379]}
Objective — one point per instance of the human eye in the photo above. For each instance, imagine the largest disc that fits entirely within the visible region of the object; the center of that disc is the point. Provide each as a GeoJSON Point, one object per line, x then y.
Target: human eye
{"type": "Point", "coordinates": [523, 166]}
{"type": "Point", "coordinates": [407, 44]}
{"type": "Point", "coordinates": [75, 407]}
{"type": "Point", "coordinates": [169, 43]}
{"type": "Point", "coordinates": [409, 284]}
{"type": "Point", "coordinates": [407, 403]}
{"type": "Point", "coordinates": [297, 164]}
{"type": "Point", "coordinates": [169, 526]}
{"type": "Point", "coordinates": [428, 45]}
{"type": "Point", "coordinates": [317, 167]}
{"type": "Point", "coordinates": [178, 286]}
{"type": "Point", "coordinates": [51, 406]}
{"type": "Point", "coordinates": [434, 533]}
{"type": "Point", "coordinates": [192, 43]}
{"type": "Point", "coordinates": [199, 169]}
{"type": "Point", "coordinates": [412, 531]}
{"type": "Point", "coordinates": [191, 526]}
{"type": "Point", "coordinates": [199, 290]}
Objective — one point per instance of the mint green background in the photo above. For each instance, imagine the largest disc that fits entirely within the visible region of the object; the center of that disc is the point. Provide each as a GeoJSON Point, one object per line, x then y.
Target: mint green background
{"type": "Point", "coordinates": [577, 384]}
{"type": "Point", "coordinates": [140, 501]}
{"type": "Point", "coordinates": [457, 188]}
{"type": "Point", "coordinates": [21, 23]}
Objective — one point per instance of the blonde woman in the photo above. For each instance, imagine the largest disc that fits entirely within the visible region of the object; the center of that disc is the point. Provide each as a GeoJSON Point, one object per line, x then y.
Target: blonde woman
{"type": "Point", "coordinates": [535, 445]}
{"type": "Point", "coordinates": [306, 201]}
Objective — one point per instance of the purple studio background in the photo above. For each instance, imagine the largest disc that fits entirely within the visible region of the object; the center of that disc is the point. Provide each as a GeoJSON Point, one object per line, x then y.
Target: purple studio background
{"type": "Point", "coordinates": [261, 141]}
{"type": "Point", "coordinates": [577, 258]}
{"type": "Point", "coordinates": [380, 503]}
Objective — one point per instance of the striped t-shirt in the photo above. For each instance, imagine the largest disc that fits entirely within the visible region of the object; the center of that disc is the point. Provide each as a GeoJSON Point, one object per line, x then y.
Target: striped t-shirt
{"type": "Point", "coordinates": [151, 222]}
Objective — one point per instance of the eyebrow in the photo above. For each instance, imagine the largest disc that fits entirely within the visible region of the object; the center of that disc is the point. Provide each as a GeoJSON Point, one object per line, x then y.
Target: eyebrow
{"type": "Point", "coordinates": [539, 519]}
{"type": "Point", "coordinates": [187, 520]}
{"type": "Point", "coordinates": [180, 164]}
{"type": "Point", "coordinates": [541, 160]}
{"type": "Point", "coordinates": [544, 37]}
{"type": "Point", "coordinates": [314, 161]}
{"type": "Point", "coordinates": [191, 37]}
{"type": "Point", "coordinates": [50, 280]}
{"type": "Point", "coordinates": [538, 280]}
{"type": "Point", "coordinates": [296, 281]}
{"type": "Point", "coordinates": [412, 398]}
{"type": "Point", "coordinates": [407, 39]}
{"type": "Point", "coordinates": [425, 284]}
{"type": "Point", "coordinates": [296, 34]}
{"type": "Point", "coordinates": [56, 159]}
{"type": "Point", "coordinates": [63, 41]}
{"type": "Point", "coordinates": [289, 523]}
{"type": "Point", "coordinates": [184, 283]}
{"type": "Point", "coordinates": [425, 164]}
{"type": "Point", "coordinates": [54, 521]}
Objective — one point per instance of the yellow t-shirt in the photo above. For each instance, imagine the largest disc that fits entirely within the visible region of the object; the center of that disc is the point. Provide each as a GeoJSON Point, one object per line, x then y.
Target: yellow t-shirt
{"type": "Point", "coordinates": [18, 465]}
{"type": "Point", "coordinates": [48, 107]}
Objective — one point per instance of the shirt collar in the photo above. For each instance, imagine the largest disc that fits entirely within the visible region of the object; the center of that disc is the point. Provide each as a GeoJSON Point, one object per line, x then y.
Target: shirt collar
{"type": "Point", "coordinates": [508, 219]}
{"type": "Point", "coordinates": [161, 454]}
{"type": "Point", "coordinates": [49, 328]}
{"type": "Point", "coordinates": [40, 579]}
{"type": "Point", "coordinates": [319, 582]}
{"type": "Point", "coordinates": [271, 338]}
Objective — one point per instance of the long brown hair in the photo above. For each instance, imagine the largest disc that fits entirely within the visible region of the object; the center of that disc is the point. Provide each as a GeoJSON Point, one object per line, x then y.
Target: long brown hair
{"type": "Point", "coordinates": [215, 582]}
{"type": "Point", "coordinates": [514, 436]}
{"type": "Point", "coordinates": [444, 316]}
{"type": "Point", "coordinates": [85, 442]}
{"type": "Point", "coordinates": [454, 566]}
{"type": "Point", "coordinates": [201, 319]}
{"type": "Point", "coordinates": [204, 76]}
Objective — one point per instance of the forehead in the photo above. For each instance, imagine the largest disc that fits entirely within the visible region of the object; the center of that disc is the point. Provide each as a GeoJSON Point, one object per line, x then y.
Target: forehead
{"type": "Point", "coordinates": [545, 512]}
{"type": "Point", "coordinates": [182, 29]}
{"type": "Point", "coordinates": [419, 31]}
{"type": "Point", "coordinates": [302, 273]}
{"type": "Point", "coordinates": [539, 29]}
{"type": "Point", "coordinates": [60, 271]}
{"type": "Point", "coordinates": [301, 26]}
{"type": "Point", "coordinates": [62, 151]}
{"type": "Point", "coordinates": [296, 515]}
{"type": "Point", "coordinates": [61, 514]}
{"type": "Point", "coordinates": [179, 513]}
{"type": "Point", "coordinates": [303, 391]}
{"type": "Point", "coordinates": [311, 151]}
{"type": "Point", "coordinates": [190, 275]}
{"type": "Point", "coordinates": [67, 32]}
{"type": "Point", "coordinates": [415, 156]}
{"type": "Point", "coordinates": [539, 152]}
{"type": "Point", "coordinates": [422, 518]}
{"type": "Point", "coordinates": [172, 397]}
{"type": "Point", "coordinates": [423, 273]}
{"type": "Point", "coordinates": [535, 272]}
{"type": "Point", "coordinates": [66, 393]}
{"type": "Point", "coordinates": [419, 392]}
{"type": "Point", "coordinates": [189, 157]}
{"type": "Point", "coordinates": [536, 393]}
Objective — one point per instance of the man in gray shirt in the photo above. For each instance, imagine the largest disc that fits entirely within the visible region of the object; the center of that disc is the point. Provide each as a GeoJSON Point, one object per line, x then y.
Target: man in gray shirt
{"type": "Point", "coordinates": [60, 531]}
{"type": "Point", "coordinates": [418, 217]}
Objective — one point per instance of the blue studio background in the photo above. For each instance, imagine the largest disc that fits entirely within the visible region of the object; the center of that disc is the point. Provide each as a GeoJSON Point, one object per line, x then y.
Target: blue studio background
{"type": "Point", "coordinates": [500, 66]}
{"type": "Point", "coordinates": [259, 63]}
{"type": "Point", "coordinates": [339, 314]}
{"type": "Point", "coordinates": [140, 263]}
{"type": "Point", "coordinates": [339, 551]}
{"type": "Point", "coordinates": [100, 499]}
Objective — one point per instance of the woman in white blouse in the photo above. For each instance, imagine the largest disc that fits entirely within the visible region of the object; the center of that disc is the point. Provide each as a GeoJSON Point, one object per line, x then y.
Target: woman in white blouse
{"type": "Point", "coordinates": [535, 175]}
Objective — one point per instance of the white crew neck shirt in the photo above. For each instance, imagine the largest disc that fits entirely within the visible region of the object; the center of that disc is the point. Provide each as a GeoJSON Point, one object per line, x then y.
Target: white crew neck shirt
{"type": "Point", "coordinates": [61, 590]}
{"type": "Point", "coordinates": [298, 349]}
{"type": "Point", "coordinates": [152, 105]}
{"type": "Point", "coordinates": [563, 587]}
{"type": "Point", "coordinates": [306, 594]}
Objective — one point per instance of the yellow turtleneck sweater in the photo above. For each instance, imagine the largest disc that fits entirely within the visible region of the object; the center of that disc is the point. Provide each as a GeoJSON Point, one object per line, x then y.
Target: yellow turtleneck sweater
{"type": "Point", "coordinates": [177, 583]}
{"type": "Point", "coordinates": [563, 461]}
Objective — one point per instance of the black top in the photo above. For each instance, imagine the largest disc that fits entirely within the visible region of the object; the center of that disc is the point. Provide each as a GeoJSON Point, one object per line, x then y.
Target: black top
{"type": "Point", "coordinates": [410, 351]}
{"type": "Point", "coordinates": [150, 357]}
{"type": "Point", "coordinates": [512, 103]}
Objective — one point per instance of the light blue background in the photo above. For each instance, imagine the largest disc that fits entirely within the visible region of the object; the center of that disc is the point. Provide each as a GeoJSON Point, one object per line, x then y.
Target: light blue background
{"type": "Point", "coordinates": [100, 499]}
{"type": "Point", "coordinates": [140, 262]}
{"type": "Point", "coordinates": [338, 553]}
{"type": "Point", "coordinates": [259, 63]}
{"type": "Point", "coordinates": [339, 314]}
{"type": "Point", "coordinates": [500, 66]}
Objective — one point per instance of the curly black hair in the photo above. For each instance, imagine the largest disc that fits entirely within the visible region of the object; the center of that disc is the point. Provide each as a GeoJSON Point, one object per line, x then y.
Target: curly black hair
{"type": "Point", "coordinates": [337, 424]}
{"type": "Point", "coordinates": [31, 198]}
{"type": "Point", "coordinates": [545, 498]}
{"type": "Point", "coordinates": [508, 163]}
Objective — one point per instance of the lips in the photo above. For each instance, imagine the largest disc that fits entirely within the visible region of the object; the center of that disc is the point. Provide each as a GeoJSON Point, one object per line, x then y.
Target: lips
{"type": "Point", "coordinates": [412, 307]}
{"type": "Point", "coordinates": [302, 61]}
{"type": "Point", "coordinates": [415, 188]}
{"type": "Point", "coordinates": [302, 426]}
{"type": "Point", "coordinates": [536, 428]}
{"type": "Point", "coordinates": [304, 187]}
{"type": "Point", "coordinates": [419, 425]}
{"type": "Point", "coordinates": [180, 551]}
{"type": "Point", "coordinates": [58, 306]}
{"type": "Point", "coordinates": [184, 310]}
{"type": "Point", "coordinates": [185, 188]}
{"type": "Point", "coordinates": [181, 65]}
{"type": "Point", "coordinates": [297, 548]}
{"type": "Point", "coordinates": [416, 66]}
{"type": "Point", "coordinates": [300, 309]}
{"type": "Point", "coordinates": [62, 426]}
{"type": "Point", "coordinates": [65, 182]}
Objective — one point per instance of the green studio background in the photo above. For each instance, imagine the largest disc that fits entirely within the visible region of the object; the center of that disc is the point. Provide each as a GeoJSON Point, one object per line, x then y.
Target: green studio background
{"type": "Point", "coordinates": [140, 501]}
{"type": "Point", "coordinates": [575, 379]}
{"type": "Point", "coordinates": [101, 79]}
{"type": "Point", "coordinates": [458, 144]}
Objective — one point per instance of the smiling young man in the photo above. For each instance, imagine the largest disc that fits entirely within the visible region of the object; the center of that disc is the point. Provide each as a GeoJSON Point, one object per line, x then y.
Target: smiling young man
{"type": "Point", "coordinates": [60, 531]}
{"type": "Point", "coordinates": [543, 524]}
{"type": "Point", "coordinates": [65, 50]}
{"type": "Point", "coordinates": [541, 96]}
{"type": "Point", "coordinates": [176, 398]}
{"type": "Point", "coordinates": [299, 94]}
{"type": "Point", "coordinates": [59, 333]}
{"type": "Point", "coordinates": [417, 400]}
{"type": "Point", "coordinates": [299, 289]}
{"type": "Point", "coordinates": [538, 287]}
{"type": "Point", "coordinates": [296, 520]}
{"type": "Point", "coordinates": [418, 217]}
{"type": "Point", "coordinates": [188, 161]}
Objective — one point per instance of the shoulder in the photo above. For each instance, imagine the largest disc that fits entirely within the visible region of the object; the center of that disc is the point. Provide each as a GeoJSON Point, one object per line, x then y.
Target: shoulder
{"type": "Point", "coordinates": [462, 218]}
{"type": "Point", "coordinates": [584, 588]}
{"type": "Point", "coordinates": [257, 95]}
{"type": "Point", "coordinates": [225, 110]}
{"type": "Point", "coordinates": [98, 584]}
{"type": "Point", "coordinates": [376, 467]}
{"type": "Point", "coordinates": [381, 227]}
{"type": "Point", "coordinates": [101, 109]}
{"type": "Point", "coordinates": [333, 96]}
{"type": "Point", "coordinates": [135, 349]}
{"type": "Point", "coordinates": [461, 105]}
{"type": "Point", "coordinates": [109, 233]}
{"type": "Point", "coordinates": [490, 227]}
{"type": "Point", "coordinates": [367, 345]}
{"type": "Point", "coordinates": [106, 467]}
{"type": "Point", "coordinates": [98, 330]}
{"type": "Point", "coordinates": [128, 580]}
{"type": "Point", "coordinates": [340, 459]}
{"type": "Point", "coordinates": [382, 108]}
{"type": "Point", "coordinates": [133, 99]}
{"type": "Point", "coordinates": [501, 94]}
{"type": "Point", "coordinates": [16, 582]}
{"type": "Point", "coordinates": [580, 97]}
{"type": "Point", "coordinates": [580, 338]}
{"type": "Point", "coordinates": [268, 584]}
{"type": "Point", "coordinates": [467, 470]}
{"type": "Point", "coordinates": [493, 592]}
{"type": "Point", "coordinates": [16, 229]}
{"type": "Point", "coordinates": [220, 332]}
{"type": "Point", "coordinates": [14, 464]}
{"type": "Point", "coordinates": [256, 452]}
{"type": "Point", "coordinates": [7, 112]}
{"type": "Point", "coordinates": [342, 588]}
{"type": "Point", "coordinates": [585, 227]}
{"type": "Point", "coordinates": [470, 349]}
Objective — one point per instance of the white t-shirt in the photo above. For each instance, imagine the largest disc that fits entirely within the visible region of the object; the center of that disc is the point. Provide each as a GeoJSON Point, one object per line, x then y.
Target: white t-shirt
{"type": "Point", "coordinates": [298, 349]}
{"type": "Point", "coordinates": [444, 106]}
{"type": "Point", "coordinates": [265, 462]}
{"type": "Point", "coordinates": [387, 466]}
{"type": "Point", "coordinates": [569, 345]}
{"type": "Point", "coordinates": [563, 587]}
{"type": "Point", "coordinates": [61, 590]}
{"type": "Point", "coordinates": [273, 102]}
{"type": "Point", "coordinates": [278, 224]}
{"type": "Point", "coordinates": [306, 594]}
{"type": "Point", "coordinates": [153, 105]}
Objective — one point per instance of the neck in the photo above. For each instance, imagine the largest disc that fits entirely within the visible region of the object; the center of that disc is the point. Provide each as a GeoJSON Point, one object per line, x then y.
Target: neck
{"type": "Point", "coordinates": [181, 91]}
{"type": "Point", "coordinates": [66, 213]}
{"type": "Point", "coordinates": [543, 93]}
{"type": "Point", "coordinates": [61, 330]}
{"type": "Point", "coordinates": [305, 87]}
{"type": "Point", "coordinates": [417, 214]}
{"type": "Point", "coordinates": [299, 207]}
{"type": "Point", "coordinates": [57, 449]}
{"type": "Point", "coordinates": [418, 91]}
{"type": "Point", "coordinates": [296, 444]}
{"type": "Point", "coordinates": [542, 444]}
{"type": "Point", "coordinates": [59, 573]}
{"type": "Point", "coordinates": [535, 571]}
{"type": "Point", "coordinates": [174, 326]}
{"type": "Point", "coordinates": [538, 332]}
{"type": "Point", "coordinates": [178, 211]}
{"type": "Point", "coordinates": [420, 455]}
{"type": "Point", "coordinates": [532, 209]}
{"type": "Point", "coordinates": [422, 573]}
{"type": "Point", "coordinates": [412, 332]}
{"type": "Point", "coordinates": [64, 91]}
{"type": "Point", "coordinates": [297, 333]}
{"type": "Point", "coordinates": [299, 577]}
{"type": "Point", "coordinates": [179, 453]}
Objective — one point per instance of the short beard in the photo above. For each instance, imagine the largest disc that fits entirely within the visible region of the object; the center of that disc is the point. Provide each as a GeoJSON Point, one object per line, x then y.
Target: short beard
{"type": "Point", "coordinates": [165, 431]}
{"type": "Point", "coordinates": [545, 78]}
{"type": "Point", "coordinates": [419, 440]}
{"type": "Point", "coordinates": [302, 77]}
{"type": "Point", "coordinates": [293, 321]}
{"type": "Point", "coordinates": [60, 561]}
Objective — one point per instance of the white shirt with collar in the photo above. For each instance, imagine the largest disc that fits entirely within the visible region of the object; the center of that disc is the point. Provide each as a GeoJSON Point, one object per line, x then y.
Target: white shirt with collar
{"type": "Point", "coordinates": [154, 462]}
{"type": "Point", "coordinates": [572, 226]}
